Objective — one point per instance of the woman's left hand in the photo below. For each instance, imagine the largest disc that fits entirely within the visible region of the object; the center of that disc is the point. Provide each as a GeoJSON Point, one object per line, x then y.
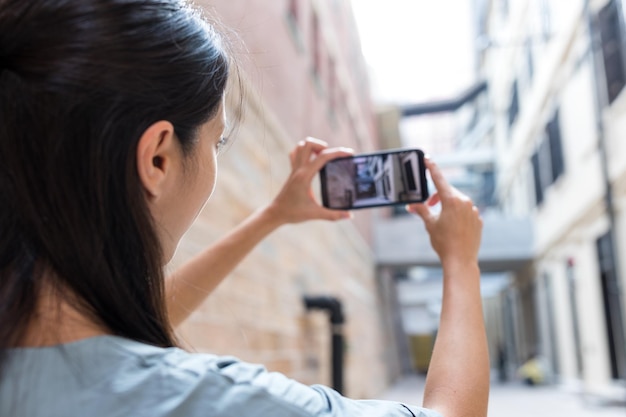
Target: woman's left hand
{"type": "Point", "coordinates": [295, 202]}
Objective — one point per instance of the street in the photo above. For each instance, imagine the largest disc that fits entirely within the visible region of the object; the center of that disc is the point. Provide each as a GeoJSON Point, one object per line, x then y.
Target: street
{"type": "Point", "coordinates": [516, 400]}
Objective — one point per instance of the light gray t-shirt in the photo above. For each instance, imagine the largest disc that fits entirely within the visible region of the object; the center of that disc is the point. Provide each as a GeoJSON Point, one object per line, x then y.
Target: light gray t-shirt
{"type": "Point", "coordinates": [109, 376]}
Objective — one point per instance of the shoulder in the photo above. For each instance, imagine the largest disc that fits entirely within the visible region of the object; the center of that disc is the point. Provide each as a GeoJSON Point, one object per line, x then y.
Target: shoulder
{"type": "Point", "coordinates": [194, 384]}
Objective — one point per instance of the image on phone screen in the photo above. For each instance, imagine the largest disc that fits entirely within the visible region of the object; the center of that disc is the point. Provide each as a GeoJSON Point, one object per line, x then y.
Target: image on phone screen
{"type": "Point", "coordinates": [373, 180]}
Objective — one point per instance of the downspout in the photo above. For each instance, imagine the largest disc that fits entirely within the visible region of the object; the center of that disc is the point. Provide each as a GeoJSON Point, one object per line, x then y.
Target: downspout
{"type": "Point", "coordinates": [335, 315]}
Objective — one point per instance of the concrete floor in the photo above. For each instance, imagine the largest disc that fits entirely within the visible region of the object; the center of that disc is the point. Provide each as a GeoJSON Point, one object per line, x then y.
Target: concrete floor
{"type": "Point", "coordinates": [517, 400]}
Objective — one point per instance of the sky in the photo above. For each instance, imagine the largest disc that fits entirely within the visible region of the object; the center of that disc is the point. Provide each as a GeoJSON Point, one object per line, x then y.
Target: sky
{"type": "Point", "coordinates": [417, 50]}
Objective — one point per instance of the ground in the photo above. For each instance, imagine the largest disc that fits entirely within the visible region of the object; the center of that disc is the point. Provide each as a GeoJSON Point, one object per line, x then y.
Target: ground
{"type": "Point", "coordinates": [517, 400]}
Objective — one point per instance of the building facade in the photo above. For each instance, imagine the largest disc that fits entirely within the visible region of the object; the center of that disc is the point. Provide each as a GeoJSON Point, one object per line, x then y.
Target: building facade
{"type": "Point", "coordinates": [303, 74]}
{"type": "Point", "coordinates": [556, 75]}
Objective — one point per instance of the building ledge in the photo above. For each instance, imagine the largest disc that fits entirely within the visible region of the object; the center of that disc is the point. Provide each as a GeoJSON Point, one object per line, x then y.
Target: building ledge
{"type": "Point", "coordinates": [507, 243]}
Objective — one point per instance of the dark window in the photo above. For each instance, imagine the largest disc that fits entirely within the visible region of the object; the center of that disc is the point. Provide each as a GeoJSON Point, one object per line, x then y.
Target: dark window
{"type": "Point", "coordinates": [610, 34]}
{"type": "Point", "coordinates": [609, 280]}
{"type": "Point", "coordinates": [408, 169]}
{"type": "Point", "coordinates": [293, 10]}
{"type": "Point", "coordinates": [294, 18]}
{"type": "Point", "coordinates": [514, 105]}
{"type": "Point", "coordinates": [332, 89]}
{"type": "Point", "coordinates": [548, 161]}
{"type": "Point", "coordinates": [386, 186]}
{"type": "Point", "coordinates": [316, 46]}
{"type": "Point", "coordinates": [553, 133]}
{"type": "Point", "coordinates": [537, 178]}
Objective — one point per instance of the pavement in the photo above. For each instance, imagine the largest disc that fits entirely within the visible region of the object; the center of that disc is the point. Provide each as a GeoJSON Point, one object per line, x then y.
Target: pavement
{"type": "Point", "coordinates": [517, 400]}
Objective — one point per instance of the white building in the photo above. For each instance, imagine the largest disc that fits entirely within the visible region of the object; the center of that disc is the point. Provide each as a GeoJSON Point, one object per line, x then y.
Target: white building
{"type": "Point", "coordinates": [559, 111]}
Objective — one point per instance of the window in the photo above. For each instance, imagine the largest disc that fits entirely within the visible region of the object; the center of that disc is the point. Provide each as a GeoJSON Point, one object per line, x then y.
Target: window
{"type": "Point", "coordinates": [537, 178]}
{"type": "Point", "coordinates": [610, 35]}
{"type": "Point", "coordinates": [408, 170]}
{"type": "Point", "coordinates": [332, 90]}
{"type": "Point", "coordinates": [613, 312]}
{"type": "Point", "coordinates": [548, 161]}
{"type": "Point", "coordinates": [293, 11]}
{"type": "Point", "coordinates": [514, 105]}
{"type": "Point", "coordinates": [316, 46]}
{"type": "Point", "coordinates": [293, 21]}
{"type": "Point", "coordinates": [553, 132]}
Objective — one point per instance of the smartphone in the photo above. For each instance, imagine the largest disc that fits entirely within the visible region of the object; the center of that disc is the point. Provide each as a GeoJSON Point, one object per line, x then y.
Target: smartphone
{"type": "Point", "coordinates": [376, 179]}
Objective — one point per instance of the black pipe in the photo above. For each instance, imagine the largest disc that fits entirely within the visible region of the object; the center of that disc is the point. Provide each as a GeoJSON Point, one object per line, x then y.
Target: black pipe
{"type": "Point", "coordinates": [444, 105]}
{"type": "Point", "coordinates": [336, 318]}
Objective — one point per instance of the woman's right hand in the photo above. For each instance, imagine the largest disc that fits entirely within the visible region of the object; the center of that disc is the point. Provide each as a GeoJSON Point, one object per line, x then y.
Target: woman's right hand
{"type": "Point", "coordinates": [296, 201]}
{"type": "Point", "coordinates": [455, 232]}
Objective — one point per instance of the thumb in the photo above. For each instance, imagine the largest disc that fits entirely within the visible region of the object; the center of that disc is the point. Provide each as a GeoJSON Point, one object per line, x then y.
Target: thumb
{"type": "Point", "coordinates": [335, 215]}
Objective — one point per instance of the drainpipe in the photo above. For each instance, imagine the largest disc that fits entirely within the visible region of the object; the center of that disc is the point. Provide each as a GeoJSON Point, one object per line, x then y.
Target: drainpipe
{"type": "Point", "coordinates": [335, 315]}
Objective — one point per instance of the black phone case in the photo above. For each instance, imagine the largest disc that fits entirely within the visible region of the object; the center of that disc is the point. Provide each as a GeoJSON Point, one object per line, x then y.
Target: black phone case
{"type": "Point", "coordinates": [421, 175]}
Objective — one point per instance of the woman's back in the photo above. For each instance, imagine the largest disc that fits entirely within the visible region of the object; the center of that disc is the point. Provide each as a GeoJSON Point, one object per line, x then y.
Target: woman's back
{"type": "Point", "coordinates": [111, 376]}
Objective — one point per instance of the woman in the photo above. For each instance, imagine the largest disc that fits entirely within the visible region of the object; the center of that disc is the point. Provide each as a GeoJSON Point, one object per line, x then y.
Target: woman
{"type": "Point", "coordinates": [111, 116]}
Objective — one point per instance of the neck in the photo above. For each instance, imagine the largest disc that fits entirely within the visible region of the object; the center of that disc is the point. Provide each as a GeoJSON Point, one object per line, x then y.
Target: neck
{"type": "Point", "coordinates": [57, 321]}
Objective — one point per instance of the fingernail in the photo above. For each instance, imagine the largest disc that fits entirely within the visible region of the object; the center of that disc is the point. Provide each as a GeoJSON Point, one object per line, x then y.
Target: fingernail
{"type": "Point", "coordinates": [349, 150]}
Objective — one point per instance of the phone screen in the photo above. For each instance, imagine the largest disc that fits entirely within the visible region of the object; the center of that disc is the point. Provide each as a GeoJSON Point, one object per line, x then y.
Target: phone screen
{"type": "Point", "coordinates": [373, 180]}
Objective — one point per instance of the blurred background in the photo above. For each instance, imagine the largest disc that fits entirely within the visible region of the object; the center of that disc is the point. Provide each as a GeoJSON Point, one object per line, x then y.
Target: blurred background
{"type": "Point", "coordinates": [522, 103]}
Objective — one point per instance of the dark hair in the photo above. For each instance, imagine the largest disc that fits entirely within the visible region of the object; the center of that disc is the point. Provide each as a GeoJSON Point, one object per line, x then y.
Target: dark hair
{"type": "Point", "coordinates": [80, 81]}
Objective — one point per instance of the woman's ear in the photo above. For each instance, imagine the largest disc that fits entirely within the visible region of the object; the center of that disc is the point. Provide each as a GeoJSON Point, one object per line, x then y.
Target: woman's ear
{"type": "Point", "coordinates": [157, 152]}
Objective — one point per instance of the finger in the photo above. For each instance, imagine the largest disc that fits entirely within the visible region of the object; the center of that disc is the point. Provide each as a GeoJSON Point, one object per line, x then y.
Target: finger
{"type": "Point", "coordinates": [292, 158]}
{"type": "Point", "coordinates": [476, 211]}
{"type": "Point", "coordinates": [421, 210]}
{"type": "Point", "coordinates": [433, 200]}
{"type": "Point", "coordinates": [444, 189]}
{"type": "Point", "coordinates": [335, 215]}
{"type": "Point", "coordinates": [308, 147]}
{"type": "Point", "coordinates": [460, 195]}
{"type": "Point", "coordinates": [298, 153]}
{"type": "Point", "coordinates": [328, 155]}
{"type": "Point", "coordinates": [317, 142]}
